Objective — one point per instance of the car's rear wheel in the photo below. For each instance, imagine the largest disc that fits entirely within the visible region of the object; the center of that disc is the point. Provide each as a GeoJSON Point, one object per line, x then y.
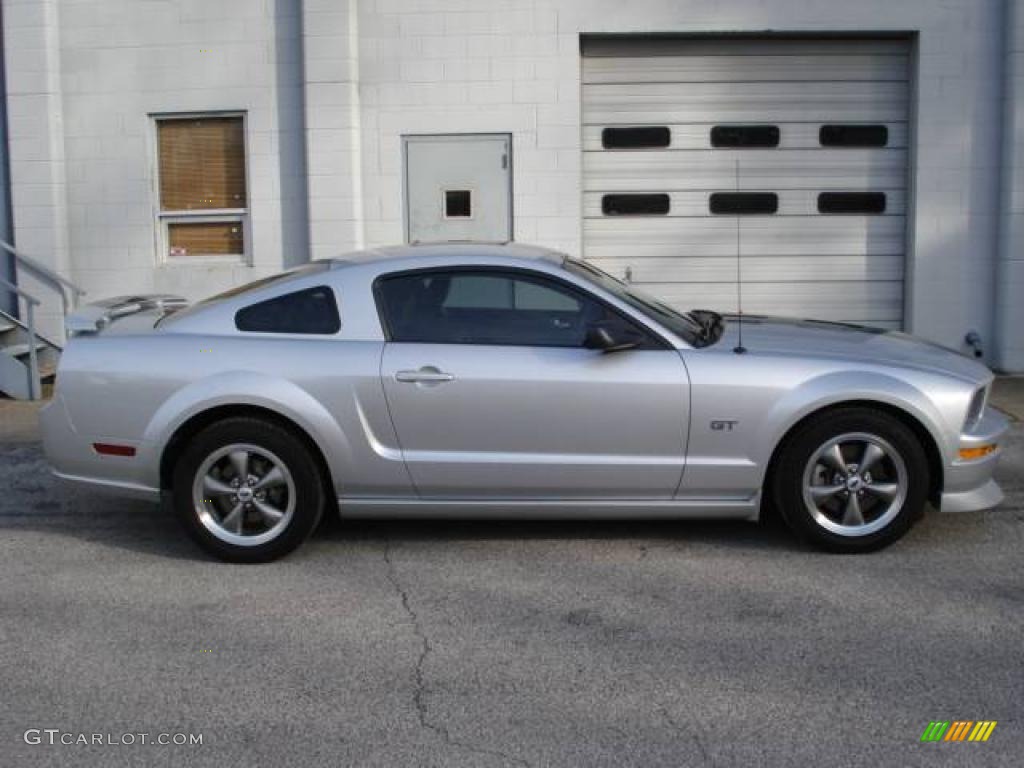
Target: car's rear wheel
{"type": "Point", "coordinates": [247, 490]}
{"type": "Point", "coordinates": [852, 480]}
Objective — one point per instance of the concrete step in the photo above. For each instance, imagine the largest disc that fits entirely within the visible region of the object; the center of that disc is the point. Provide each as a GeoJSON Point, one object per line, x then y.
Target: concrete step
{"type": "Point", "coordinates": [6, 325]}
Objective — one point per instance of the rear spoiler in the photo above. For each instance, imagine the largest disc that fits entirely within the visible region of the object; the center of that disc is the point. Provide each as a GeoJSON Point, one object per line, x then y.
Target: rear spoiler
{"type": "Point", "coordinates": [93, 318]}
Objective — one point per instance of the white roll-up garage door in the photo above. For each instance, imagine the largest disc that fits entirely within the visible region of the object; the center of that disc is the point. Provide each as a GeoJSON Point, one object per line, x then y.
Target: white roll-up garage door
{"type": "Point", "coordinates": [793, 151]}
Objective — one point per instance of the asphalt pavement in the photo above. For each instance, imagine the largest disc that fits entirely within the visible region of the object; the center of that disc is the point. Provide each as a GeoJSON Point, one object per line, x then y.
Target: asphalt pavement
{"type": "Point", "coordinates": [502, 644]}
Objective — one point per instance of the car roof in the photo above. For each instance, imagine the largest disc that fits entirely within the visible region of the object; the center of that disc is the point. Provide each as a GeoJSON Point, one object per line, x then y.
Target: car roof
{"type": "Point", "coordinates": [472, 252]}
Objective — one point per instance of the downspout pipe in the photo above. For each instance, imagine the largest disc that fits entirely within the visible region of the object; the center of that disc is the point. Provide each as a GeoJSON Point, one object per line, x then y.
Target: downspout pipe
{"type": "Point", "coordinates": [8, 301]}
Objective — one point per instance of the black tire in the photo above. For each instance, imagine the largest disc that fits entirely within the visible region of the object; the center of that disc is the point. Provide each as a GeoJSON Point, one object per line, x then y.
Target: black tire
{"type": "Point", "coordinates": [274, 441]}
{"type": "Point", "coordinates": [792, 471]}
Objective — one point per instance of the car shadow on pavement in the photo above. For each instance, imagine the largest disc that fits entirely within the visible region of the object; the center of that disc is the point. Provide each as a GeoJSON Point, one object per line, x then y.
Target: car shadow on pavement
{"type": "Point", "coordinates": [732, 534]}
{"type": "Point", "coordinates": [35, 501]}
{"type": "Point", "coordinates": [151, 529]}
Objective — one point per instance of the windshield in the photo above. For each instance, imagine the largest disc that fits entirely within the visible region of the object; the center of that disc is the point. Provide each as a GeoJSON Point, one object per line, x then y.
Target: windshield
{"type": "Point", "coordinates": [683, 325]}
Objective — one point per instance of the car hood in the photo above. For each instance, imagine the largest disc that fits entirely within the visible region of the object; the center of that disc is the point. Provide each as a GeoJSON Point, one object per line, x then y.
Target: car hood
{"type": "Point", "coordinates": [816, 338]}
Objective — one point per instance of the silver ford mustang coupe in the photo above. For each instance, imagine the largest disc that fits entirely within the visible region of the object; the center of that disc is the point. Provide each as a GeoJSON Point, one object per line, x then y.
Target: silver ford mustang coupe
{"type": "Point", "coordinates": [491, 381]}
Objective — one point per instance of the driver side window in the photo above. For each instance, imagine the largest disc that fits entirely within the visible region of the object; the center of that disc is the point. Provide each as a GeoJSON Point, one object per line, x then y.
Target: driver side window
{"type": "Point", "coordinates": [487, 307]}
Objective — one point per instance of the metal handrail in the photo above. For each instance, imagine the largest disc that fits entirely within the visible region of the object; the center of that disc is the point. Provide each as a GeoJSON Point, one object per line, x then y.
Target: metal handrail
{"type": "Point", "coordinates": [56, 281]}
{"type": "Point", "coordinates": [31, 302]}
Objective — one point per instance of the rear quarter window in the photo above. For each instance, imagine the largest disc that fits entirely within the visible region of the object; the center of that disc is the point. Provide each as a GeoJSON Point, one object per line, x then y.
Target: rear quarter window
{"type": "Point", "coordinates": [313, 310]}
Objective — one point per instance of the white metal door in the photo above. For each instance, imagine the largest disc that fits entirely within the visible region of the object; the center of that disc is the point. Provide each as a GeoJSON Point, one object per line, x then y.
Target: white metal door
{"type": "Point", "coordinates": [458, 187]}
{"type": "Point", "coordinates": [821, 125]}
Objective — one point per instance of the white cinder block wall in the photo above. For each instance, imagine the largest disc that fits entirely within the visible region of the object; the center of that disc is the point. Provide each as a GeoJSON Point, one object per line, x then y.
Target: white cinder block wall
{"type": "Point", "coordinates": [329, 87]}
{"type": "Point", "coordinates": [440, 66]}
{"type": "Point", "coordinates": [85, 78]}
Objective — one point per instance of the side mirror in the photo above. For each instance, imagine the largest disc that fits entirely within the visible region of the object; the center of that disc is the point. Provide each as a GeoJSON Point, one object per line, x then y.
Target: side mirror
{"type": "Point", "coordinates": [607, 338]}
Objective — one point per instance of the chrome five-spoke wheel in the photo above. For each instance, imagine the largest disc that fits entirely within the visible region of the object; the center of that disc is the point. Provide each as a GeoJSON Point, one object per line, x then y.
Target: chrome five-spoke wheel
{"type": "Point", "coordinates": [852, 479]}
{"type": "Point", "coordinates": [855, 484]}
{"type": "Point", "coordinates": [248, 490]}
{"type": "Point", "coordinates": [244, 494]}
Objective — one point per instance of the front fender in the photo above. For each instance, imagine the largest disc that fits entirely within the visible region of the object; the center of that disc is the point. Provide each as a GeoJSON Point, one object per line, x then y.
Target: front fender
{"type": "Point", "coordinates": [844, 386]}
{"type": "Point", "coordinates": [247, 388]}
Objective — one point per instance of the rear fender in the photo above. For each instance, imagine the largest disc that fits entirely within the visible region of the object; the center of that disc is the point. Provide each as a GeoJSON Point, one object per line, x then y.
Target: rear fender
{"type": "Point", "coordinates": [236, 388]}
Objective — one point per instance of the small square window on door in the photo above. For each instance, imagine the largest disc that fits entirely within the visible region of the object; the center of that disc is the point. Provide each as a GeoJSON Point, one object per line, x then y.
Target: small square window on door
{"type": "Point", "coordinates": [458, 187]}
{"type": "Point", "coordinates": [458, 203]}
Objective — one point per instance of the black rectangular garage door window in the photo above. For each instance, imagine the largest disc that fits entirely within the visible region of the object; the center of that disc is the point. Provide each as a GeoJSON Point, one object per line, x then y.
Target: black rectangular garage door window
{"type": "Point", "coordinates": [635, 205]}
{"type": "Point", "coordinates": [649, 137]}
{"type": "Point", "coordinates": [745, 136]}
{"type": "Point", "coordinates": [851, 202]}
{"type": "Point", "coordinates": [853, 135]}
{"type": "Point", "coordinates": [744, 202]}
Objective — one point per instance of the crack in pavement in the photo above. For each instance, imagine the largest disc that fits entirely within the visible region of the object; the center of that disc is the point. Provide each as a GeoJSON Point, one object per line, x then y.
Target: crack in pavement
{"type": "Point", "coordinates": [419, 685]}
{"type": "Point", "coordinates": [694, 735]}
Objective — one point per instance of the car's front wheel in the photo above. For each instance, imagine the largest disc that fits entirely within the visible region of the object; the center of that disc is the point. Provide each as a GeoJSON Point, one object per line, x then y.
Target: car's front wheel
{"type": "Point", "coordinates": [247, 490]}
{"type": "Point", "coordinates": [852, 480]}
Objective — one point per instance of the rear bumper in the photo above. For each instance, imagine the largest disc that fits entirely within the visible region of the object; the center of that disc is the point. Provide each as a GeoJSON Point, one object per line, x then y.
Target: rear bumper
{"type": "Point", "coordinates": [968, 485]}
{"type": "Point", "coordinates": [111, 487]}
{"type": "Point", "coordinates": [74, 461]}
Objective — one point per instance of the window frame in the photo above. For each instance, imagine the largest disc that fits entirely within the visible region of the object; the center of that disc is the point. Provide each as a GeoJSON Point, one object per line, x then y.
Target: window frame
{"type": "Point", "coordinates": [163, 217]}
{"type": "Point", "coordinates": [654, 340]}
{"type": "Point", "coordinates": [471, 191]}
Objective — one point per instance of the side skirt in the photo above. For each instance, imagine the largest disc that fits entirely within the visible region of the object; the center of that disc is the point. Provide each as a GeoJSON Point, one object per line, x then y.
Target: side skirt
{"type": "Point", "coordinates": [547, 509]}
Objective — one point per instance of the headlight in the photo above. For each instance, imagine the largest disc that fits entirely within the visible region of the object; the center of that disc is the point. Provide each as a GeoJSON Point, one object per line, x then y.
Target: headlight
{"type": "Point", "coordinates": [976, 407]}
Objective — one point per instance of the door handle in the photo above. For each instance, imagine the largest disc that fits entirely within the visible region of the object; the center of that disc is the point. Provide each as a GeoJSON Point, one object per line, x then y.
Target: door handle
{"type": "Point", "coordinates": [425, 375]}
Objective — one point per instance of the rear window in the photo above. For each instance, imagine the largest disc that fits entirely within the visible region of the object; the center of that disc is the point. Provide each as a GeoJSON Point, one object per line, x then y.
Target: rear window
{"type": "Point", "coordinates": [313, 310]}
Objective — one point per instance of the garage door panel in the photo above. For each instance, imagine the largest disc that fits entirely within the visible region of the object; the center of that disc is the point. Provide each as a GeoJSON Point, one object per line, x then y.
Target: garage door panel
{"type": "Point", "coordinates": [743, 112]}
{"type": "Point", "coordinates": [864, 302]}
{"type": "Point", "coordinates": [797, 260]}
{"type": "Point", "coordinates": [797, 202]}
{"type": "Point", "coordinates": [760, 236]}
{"type": "Point", "coordinates": [697, 136]}
{"type": "Point", "coordinates": [688, 102]}
{"type": "Point", "coordinates": [756, 269]}
{"type": "Point", "coordinates": [745, 68]}
{"type": "Point", "coordinates": [619, 47]}
{"type": "Point", "coordinates": [657, 171]}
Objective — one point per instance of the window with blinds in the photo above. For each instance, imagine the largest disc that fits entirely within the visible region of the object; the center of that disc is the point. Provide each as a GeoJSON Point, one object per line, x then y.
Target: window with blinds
{"type": "Point", "coordinates": [202, 185]}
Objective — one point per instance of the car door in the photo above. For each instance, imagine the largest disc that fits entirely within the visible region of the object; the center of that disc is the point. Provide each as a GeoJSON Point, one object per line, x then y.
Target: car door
{"type": "Point", "coordinates": [493, 395]}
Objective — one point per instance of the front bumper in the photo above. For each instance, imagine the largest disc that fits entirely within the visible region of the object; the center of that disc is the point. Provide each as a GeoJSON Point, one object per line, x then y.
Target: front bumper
{"type": "Point", "coordinates": [968, 485]}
